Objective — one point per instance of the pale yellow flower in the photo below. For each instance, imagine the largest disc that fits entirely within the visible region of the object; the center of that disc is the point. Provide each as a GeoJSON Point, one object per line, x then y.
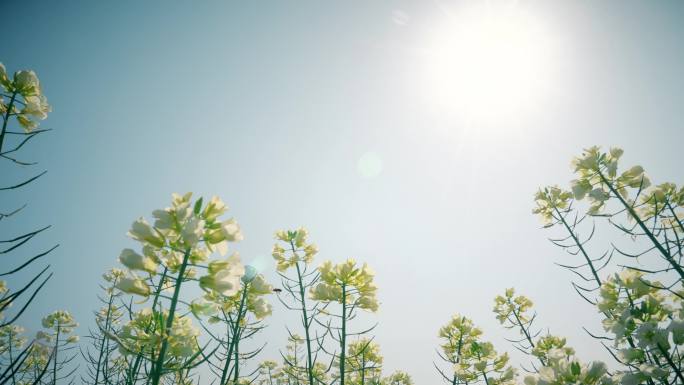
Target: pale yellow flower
{"type": "Point", "coordinates": [133, 285]}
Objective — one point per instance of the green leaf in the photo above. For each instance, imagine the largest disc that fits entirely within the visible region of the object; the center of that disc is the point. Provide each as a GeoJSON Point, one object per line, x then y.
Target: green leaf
{"type": "Point", "coordinates": [575, 368]}
{"type": "Point", "coordinates": [198, 206]}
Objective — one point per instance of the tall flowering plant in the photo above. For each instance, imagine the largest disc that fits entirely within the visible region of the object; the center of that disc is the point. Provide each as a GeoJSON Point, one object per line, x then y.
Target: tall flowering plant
{"type": "Point", "coordinates": [172, 250]}
{"type": "Point", "coordinates": [294, 254]}
{"type": "Point", "coordinates": [472, 360]}
{"type": "Point", "coordinates": [22, 106]}
{"type": "Point", "coordinates": [242, 314]}
{"type": "Point", "coordinates": [352, 288]}
{"type": "Point", "coordinates": [641, 302]}
{"type": "Point", "coordinates": [102, 364]}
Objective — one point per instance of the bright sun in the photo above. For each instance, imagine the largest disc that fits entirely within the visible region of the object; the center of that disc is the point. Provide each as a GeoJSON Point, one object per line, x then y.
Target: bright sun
{"type": "Point", "coordinates": [489, 63]}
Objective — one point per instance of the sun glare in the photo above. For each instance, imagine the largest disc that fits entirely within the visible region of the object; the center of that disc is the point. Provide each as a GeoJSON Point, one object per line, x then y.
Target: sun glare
{"type": "Point", "coordinates": [488, 63]}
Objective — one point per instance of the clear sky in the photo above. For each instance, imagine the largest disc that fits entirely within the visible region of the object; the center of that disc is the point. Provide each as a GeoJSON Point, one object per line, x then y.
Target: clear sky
{"type": "Point", "coordinates": [332, 115]}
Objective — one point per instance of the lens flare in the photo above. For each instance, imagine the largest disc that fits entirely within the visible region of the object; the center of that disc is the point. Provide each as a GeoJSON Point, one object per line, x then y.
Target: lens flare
{"type": "Point", "coordinates": [369, 165]}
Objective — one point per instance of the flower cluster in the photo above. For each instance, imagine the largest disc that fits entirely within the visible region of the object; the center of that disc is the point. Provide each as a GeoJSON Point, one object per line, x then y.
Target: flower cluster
{"type": "Point", "coordinates": [563, 369]}
{"type": "Point", "coordinates": [547, 343]}
{"type": "Point", "coordinates": [144, 334]}
{"type": "Point", "coordinates": [255, 288]}
{"type": "Point", "coordinates": [59, 322]}
{"type": "Point", "coordinates": [642, 316]}
{"type": "Point", "coordinates": [346, 283]}
{"type": "Point", "coordinates": [473, 359]}
{"type": "Point", "coordinates": [364, 361]}
{"type": "Point", "coordinates": [630, 301]}
{"type": "Point", "coordinates": [33, 107]}
{"type": "Point", "coordinates": [458, 335]}
{"type": "Point", "coordinates": [597, 177]}
{"type": "Point", "coordinates": [54, 343]}
{"type": "Point", "coordinates": [646, 323]}
{"type": "Point", "coordinates": [550, 201]}
{"type": "Point", "coordinates": [182, 234]}
{"type": "Point", "coordinates": [11, 338]}
{"type": "Point", "coordinates": [296, 249]}
{"type": "Point", "coordinates": [398, 378]}
{"type": "Point", "coordinates": [665, 201]}
{"type": "Point", "coordinates": [270, 373]}
{"type": "Point", "coordinates": [223, 278]}
{"type": "Point", "coordinates": [509, 307]}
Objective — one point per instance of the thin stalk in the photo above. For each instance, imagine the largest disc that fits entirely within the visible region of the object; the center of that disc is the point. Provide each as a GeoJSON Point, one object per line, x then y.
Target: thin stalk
{"type": "Point", "coordinates": [676, 369]}
{"type": "Point", "coordinates": [133, 373]}
{"type": "Point", "coordinates": [236, 365]}
{"type": "Point", "coordinates": [156, 376]}
{"type": "Point", "coordinates": [527, 335]}
{"type": "Point", "coordinates": [234, 341]}
{"type": "Point", "coordinates": [485, 377]}
{"type": "Point", "coordinates": [104, 336]}
{"type": "Point", "coordinates": [458, 355]}
{"type": "Point", "coordinates": [579, 245]}
{"type": "Point", "coordinates": [363, 370]}
{"type": "Point", "coordinates": [6, 118]}
{"type": "Point", "coordinates": [54, 363]}
{"type": "Point", "coordinates": [11, 359]}
{"type": "Point", "coordinates": [305, 318]}
{"type": "Point", "coordinates": [674, 215]}
{"type": "Point", "coordinates": [343, 337]}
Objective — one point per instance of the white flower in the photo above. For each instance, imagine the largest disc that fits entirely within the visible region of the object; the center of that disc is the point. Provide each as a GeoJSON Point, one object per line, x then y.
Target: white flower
{"type": "Point", "coordinates": [164, 219]}
{"type": "Point", "coordinates": [223, 282]}
{"type": "Point", "coordinates": [649, 335]}
{"type": "Point", "coordinates": [135, 261]}
{"type": "Point", "coordinates": [259, 286]}
{"type": "Point", "coordinates": [132, 285]}
{"type": "Point", "coordinates": [36, 106]}
{"type": "Point", "coordinates": [26, 83]}
{"type": "Point", "coordinates": [261, 308]}
{"type": "Point", "coordinates": [201, 307]}
{"type": "Point", "coordinates": [214, 209]}
{"type": "Point", "coordinates": [4, 81]}
{"type": "Point", "coordinates": [224, 276]}
{"type": "Point", "coordinates": [677, 329]}
{"type": "Point", "coordinates": [141, 231]}
{"type": "Point", "coordinates": [231, 231]}
{"type": "Point", "coordinates": [192, 231]}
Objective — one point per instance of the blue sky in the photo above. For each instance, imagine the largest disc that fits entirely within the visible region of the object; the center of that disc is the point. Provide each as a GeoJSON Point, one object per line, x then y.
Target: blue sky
{"type": "Point", "coordinates": [272, 105]}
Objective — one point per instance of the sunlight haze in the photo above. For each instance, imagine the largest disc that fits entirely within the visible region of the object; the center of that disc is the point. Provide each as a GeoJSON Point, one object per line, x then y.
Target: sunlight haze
{"type": "Point", "coordinates": [408, 135]}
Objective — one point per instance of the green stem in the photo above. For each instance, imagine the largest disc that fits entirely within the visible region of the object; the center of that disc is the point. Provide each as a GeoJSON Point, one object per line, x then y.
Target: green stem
{"type": "Point", "coordinates": [458, 353]}
{"type": "Point", "coordinates": [527, 335]}
{"type": "Point", "coordinates": [579, 245]}
{"type": "Point", "coordinates": [234, 340]}
{"type": "Point", "coordinates": [54, 363]}
{"type": "Point", "coordinates": [236, 366]}
{"type": "Point", "coordinates": [6, 119]}
{"type": "Point", "coordinates": [363, 369]}
{"type": "Point", "coordinates": [158, 369]}
{"type": "Point", "coordinates": [674, 215]}
{"type": "Point", "coordinates": [307, 325]}
{"type": "Point", "coordinates": [676, 369]}
{"type": "Point", "coordinates": [133, 372]}
{"type": "Point", "coordinates": [485, 377]}
{"type": "Point", "coordinates": [104, 335]}
{"type": "Point", "coordinates": [11, 359]}
{"type": "Point", "coordinates": [343, 337]}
